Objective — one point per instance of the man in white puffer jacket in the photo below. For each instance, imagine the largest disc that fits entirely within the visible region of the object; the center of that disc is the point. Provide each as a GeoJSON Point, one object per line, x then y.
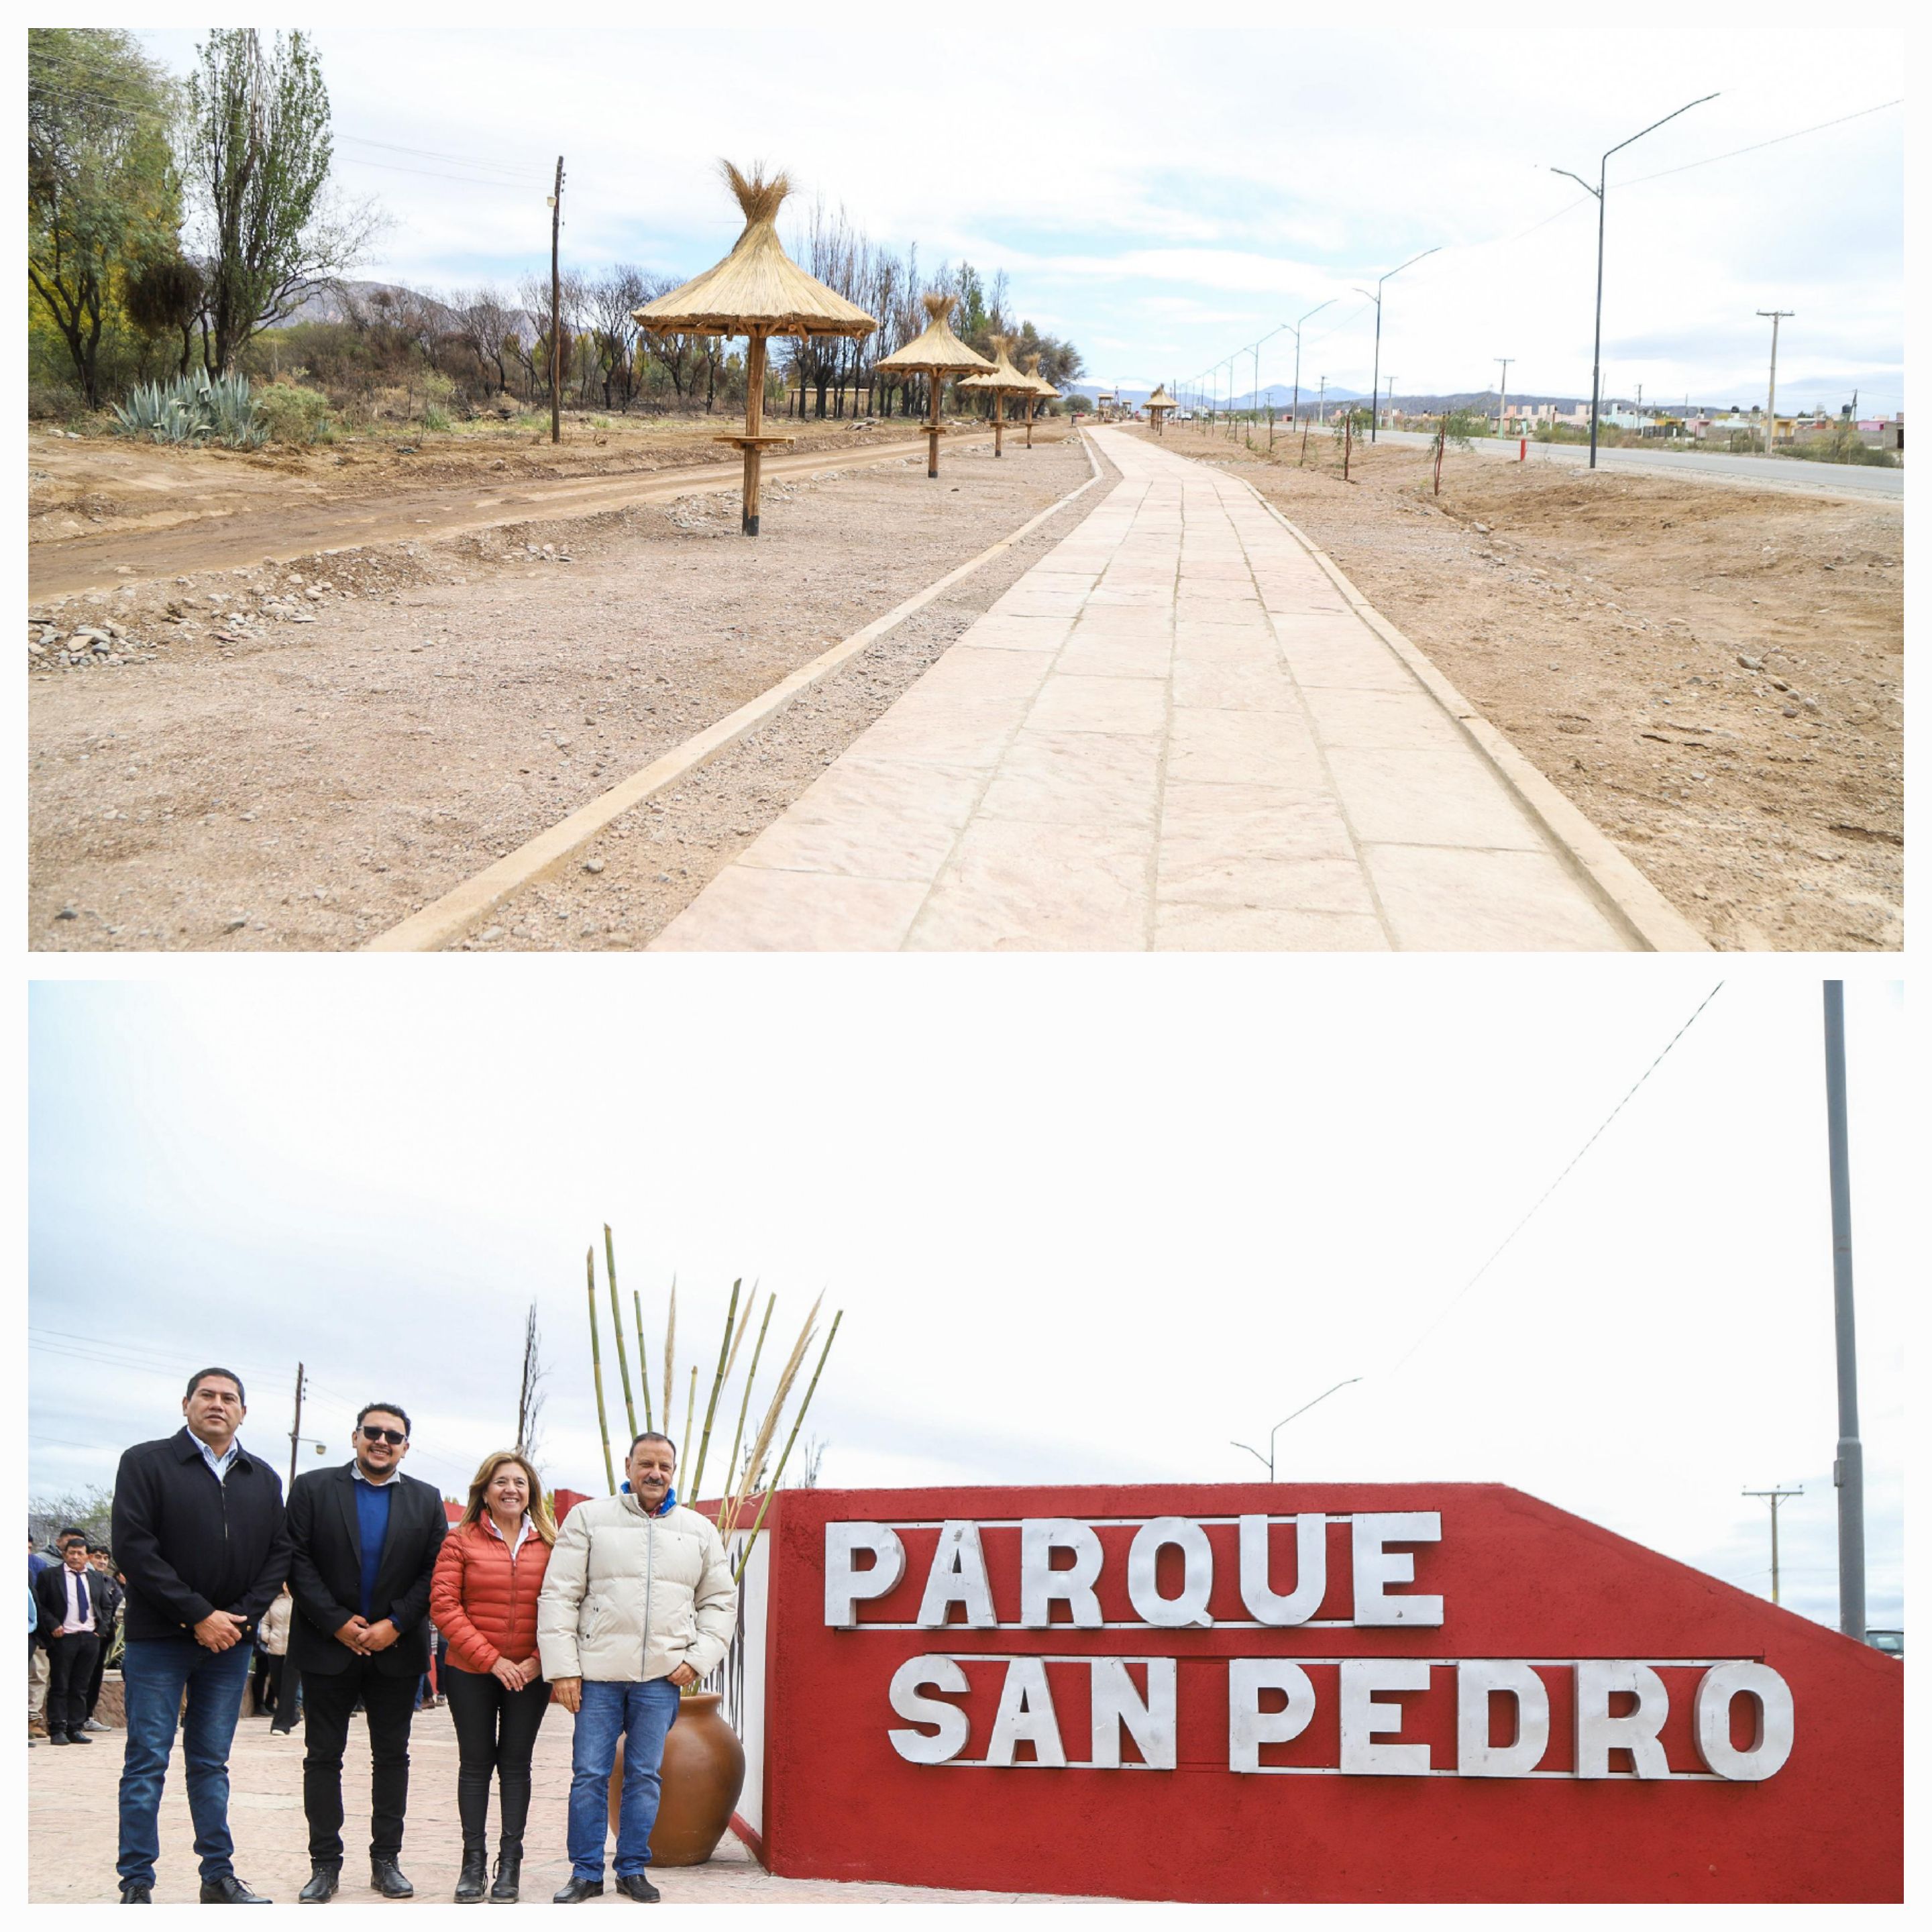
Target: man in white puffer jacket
{"type": "Point", "coordinates": [638, 1602]}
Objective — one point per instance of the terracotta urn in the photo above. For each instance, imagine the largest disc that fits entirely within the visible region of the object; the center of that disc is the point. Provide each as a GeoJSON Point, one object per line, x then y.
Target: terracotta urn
{"type": "Point", "coordinates": [703, 1773]}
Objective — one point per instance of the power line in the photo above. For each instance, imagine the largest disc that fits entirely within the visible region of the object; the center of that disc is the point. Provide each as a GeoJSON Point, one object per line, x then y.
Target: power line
{"type": "Point", "coordinates": [1496, 1254]}
{"type": "Point", "coordinates": [1710, 160]}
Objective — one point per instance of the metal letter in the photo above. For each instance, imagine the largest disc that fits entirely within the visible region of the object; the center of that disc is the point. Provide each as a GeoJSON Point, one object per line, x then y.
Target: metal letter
{"type": "Point", "coordinates": [917, 1673]}
{"type": "Point", "coordinates": [1364, 1718]}
{"type": "Point", "coordinates": [1598, 1733]}
{"type": "Point", "coordinates": [1117, 1703]}
{"type": "Point", "coordinates": [1249, 1726]}
{"type": "Point", "coordinates": [1189, 1609]}
{"type": "Point", "coordinates": [1026, 1716]}
{"type": "Point", "coordinates": [1040, 1583]}
{"type": "Point", "coordinates": [1311, 1571]}
{"type": "Point", "coordinates": [1477, 1680]}
{"type": "Point", "coordinates": [846, 1588]}
{"type": "Point", "coordinates": [957, 1575]}
{"type": "Point", "coordinates": [1764, 1756]}
{"type": "Point", "coordinates": [1377, 1565]}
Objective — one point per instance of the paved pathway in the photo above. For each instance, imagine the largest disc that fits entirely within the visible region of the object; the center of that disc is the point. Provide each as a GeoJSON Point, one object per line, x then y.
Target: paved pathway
{"type": "Point", "coordinates": [1172, 733]}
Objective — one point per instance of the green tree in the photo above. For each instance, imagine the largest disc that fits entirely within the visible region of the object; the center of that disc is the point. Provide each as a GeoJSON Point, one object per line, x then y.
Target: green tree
{"type": "Point", "coordinates": [259, 149]}
{"type": "Point", "coordinates": [103, 196]}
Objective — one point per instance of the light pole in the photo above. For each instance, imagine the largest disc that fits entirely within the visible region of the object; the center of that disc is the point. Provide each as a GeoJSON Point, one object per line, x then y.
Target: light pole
{"type": "Point", "coordinates": [1848, 1472]}
{"type": "Point", "coordinates": [1603, 165]}
{"type": "Point", "coordinates": [1267, 1461]}
{"type": "Point", "coordinates": [1502, 407]}
{"type": "Point", "coordinates": [1775, 316]}
{"type": "Point", "coordinates": [1375, 380]}
{"type": "Point", "coordinates": [1296, 326]}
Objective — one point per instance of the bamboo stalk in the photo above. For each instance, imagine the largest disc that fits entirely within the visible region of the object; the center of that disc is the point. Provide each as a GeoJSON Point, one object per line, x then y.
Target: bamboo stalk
{"type": "Point", "coordinates": [778, 1475]}
{"type": "Point", "coordinates": [744, 1408]}
{"type": "Point", "coordinates": [738, 1340]}
{"type": "Point", "coordinates": [717, 1383]}
{"type": "Point", "coordinates": [690, 1407]}
{"type": "Point", "coordinates": [617, 1327]}
{"type": "Point", "coordinates": [644, 1375]}
{"type": "Point", "coordinates": [597, 1365]}
{"type": "Point", "coordinates": [670, 1349]}
{"type": "Point", "coordinates": [755, 1459]}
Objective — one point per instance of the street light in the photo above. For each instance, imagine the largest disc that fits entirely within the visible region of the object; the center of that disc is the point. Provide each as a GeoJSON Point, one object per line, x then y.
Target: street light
{"type": "Point", "coordinates": [1375, 381]}
{"type": "Point", "coordinates": [1267, 1461]}
{"type": "Point", "coordinates": [1296, 327]}
{"type": "Point", "coordinates": [1597, 350]}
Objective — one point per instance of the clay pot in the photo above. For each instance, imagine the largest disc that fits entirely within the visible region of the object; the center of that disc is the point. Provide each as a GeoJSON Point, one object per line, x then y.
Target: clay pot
{"type": "Point", "coordinates": [702, 1771]}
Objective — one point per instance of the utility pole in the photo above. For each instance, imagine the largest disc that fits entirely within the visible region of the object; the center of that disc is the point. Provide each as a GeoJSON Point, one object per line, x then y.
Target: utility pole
{"type": "Point", "coordinates": [1322, 405]}
{"type": "Point", "coordinates": [1774, 316]}
{"type": "Point", "coordinates": [555, 312]}
{"type": "Point", "coordinates": [1296, 326]}
{"type": "Point", "coordinates": [1603, 182]}
{"type": "Point", "coordinates": [1848, 1472]}
{"type": "Point", "coordinates": [295, 1434]}
{"type": "Point", "coordinates": [1502, 407]}
{"type": "Point", "coordinates": [1389, 403]}
{"type": "Point", "coordinates": [1375, 379]}
{"type": "Point", "coordinates": [1774, 1497]}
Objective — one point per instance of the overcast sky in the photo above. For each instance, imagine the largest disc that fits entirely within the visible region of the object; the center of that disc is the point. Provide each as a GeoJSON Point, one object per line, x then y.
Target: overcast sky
{"type": "Point", "coordinates": [1084, 1226]}
{"type": "Point", "coordinates": [1163, 199]}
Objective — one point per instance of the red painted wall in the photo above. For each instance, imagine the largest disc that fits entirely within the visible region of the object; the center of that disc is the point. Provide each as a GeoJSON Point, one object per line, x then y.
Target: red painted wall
{"type": "Point", "coordinates": [1520, 1578]}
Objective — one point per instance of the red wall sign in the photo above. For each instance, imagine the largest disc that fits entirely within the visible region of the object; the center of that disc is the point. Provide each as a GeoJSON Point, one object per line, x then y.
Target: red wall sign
{"type": "Point", "coordinates": [1288, 1692]}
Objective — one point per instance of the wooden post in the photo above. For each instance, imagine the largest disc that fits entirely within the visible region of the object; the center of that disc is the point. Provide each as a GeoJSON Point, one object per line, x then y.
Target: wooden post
{"type": "Point", "coordinates": [932, 428]}
{"type": "Point", "coordinates": [556, 311]}
{"type": "Point", "coordinates": [999, 420]}
{"type": "Point", "coordinates": [754, 427]}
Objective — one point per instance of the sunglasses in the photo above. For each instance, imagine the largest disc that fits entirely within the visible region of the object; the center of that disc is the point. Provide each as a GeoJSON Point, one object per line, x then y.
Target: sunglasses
{"type": "Point", "coordinates": [374, 1435]}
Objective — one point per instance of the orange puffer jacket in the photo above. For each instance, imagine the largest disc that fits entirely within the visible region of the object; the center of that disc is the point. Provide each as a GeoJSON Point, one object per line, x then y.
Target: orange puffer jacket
{"type": "Point", "coordinates": [483, 1601]}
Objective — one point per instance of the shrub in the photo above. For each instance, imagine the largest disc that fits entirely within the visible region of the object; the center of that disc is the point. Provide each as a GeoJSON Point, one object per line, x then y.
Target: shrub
{"type": "Point", "coordinates": [192, 409]}
{"type": "Point", "coordinates": [287, 412]}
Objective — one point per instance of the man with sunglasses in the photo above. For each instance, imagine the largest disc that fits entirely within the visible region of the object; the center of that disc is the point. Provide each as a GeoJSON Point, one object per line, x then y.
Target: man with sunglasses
{"type": "Point", "coordinates": [363, 1541]}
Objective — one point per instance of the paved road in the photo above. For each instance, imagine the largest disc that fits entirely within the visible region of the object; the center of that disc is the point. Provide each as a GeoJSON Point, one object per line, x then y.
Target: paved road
{"type": "Point", "coordinates": [1174, 732]}
{"type": "Point", "coordinates": [1822, 479]}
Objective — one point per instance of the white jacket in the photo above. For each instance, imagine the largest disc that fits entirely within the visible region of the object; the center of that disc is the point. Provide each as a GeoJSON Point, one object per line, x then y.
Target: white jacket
{"type": "Point", "coordinates": [627, 1597]}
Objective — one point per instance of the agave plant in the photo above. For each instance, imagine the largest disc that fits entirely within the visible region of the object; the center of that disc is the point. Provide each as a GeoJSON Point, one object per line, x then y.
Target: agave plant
{"type": "Point", "coordinates": [193, 409]}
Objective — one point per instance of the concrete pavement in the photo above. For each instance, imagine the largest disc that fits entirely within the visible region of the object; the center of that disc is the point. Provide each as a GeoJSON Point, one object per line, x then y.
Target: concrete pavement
{"type": "Point", "coordinates": [1181, 730]}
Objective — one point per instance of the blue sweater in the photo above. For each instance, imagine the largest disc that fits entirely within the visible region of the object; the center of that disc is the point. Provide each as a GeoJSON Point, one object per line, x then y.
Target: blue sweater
{"type": "Point", "coordinates": [372, 1519]}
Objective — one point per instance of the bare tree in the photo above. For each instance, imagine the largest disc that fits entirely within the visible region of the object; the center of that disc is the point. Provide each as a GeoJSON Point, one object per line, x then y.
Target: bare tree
{"type": "Point", "coordinates": [529, 1389]}
{"type": "Point", "coordinates": [607, 303]}
{"type": "Point", "coordinates": [488, 324]}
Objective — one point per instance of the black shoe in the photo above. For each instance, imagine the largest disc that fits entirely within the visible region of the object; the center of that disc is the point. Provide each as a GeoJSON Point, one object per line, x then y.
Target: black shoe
{"type": "Point", "coordinates": [634, 1885]}
{"type": "Point", "coordinates": [137, 1894]}
{"type": "Point", "coordinates": [386, 1875]}
{"type": "Point", "coordinates": [78, 1737]}
{"type": "Point", "coordinates": [509, 1873]}
{"type": "Point", "coordinates": [324, 1875]}
{"type": "Point", "coordinates": [228, 1890]}
{"type": "Point", "coordinates": [474, 1879]}
{"type": "Point", "coordinates": [578, 1890]}
{"type": "Point", "coordinates": [59, 1738]}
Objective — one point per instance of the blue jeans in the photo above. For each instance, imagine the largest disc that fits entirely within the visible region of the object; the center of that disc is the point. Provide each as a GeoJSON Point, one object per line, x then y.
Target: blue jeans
{"type": "Point", "coordinates": [154, 1672]}
{"type": "Point", "coordinates": [643, 1714]}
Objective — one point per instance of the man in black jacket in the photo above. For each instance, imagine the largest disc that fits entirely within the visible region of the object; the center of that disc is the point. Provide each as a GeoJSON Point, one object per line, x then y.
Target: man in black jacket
{"type": "Point", "coordinates": [198, 1534]}
{"type": "Point", "coordinates": [72, 1619]}
{"type": "Point", "coordinates": [363, 1540]}
{"type": "Point", "coordinates": [107, 1595]}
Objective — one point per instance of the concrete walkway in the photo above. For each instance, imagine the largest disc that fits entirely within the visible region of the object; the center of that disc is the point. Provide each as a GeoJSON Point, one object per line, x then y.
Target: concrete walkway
{"type": "Point", "coordinates": [1173, 732]}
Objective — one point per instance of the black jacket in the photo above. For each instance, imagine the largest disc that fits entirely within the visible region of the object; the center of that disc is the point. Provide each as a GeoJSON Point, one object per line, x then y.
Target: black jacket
{"type": "Point", "coordinates": [189, 1544]}
{"type": "Point", "coordinates": [326, 1571]}
{"type": "Point", "coordinates": [50, 1593]}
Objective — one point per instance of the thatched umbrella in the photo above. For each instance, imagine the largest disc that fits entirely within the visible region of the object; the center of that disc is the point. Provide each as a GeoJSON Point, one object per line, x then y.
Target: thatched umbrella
{"type": "Point", "coordinates": [1003, 380]}
{"type": "Point", "coordinates": [1037, 389]}
{"type": "Point", "coordinates": [936, 355]}
{"type": "Point", "coordinates": [757, 292]}
{"type": "Point", "coordinates": [1157, 406]}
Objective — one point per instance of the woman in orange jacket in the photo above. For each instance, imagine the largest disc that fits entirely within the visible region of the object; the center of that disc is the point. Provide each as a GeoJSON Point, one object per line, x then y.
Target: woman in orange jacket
{"type": "Point", "coordinates": [484, 1600]}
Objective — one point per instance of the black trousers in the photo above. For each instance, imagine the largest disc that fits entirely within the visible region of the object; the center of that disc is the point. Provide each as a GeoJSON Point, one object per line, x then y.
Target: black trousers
{"type": "Point", "coordinates": [388, 1702]}
{"type": "Point", "coordinates": [495, 1730]}
{"type": "Point", "coordinates": [70, 1661]}
{"type": "Point", "coordinates": [288, 1697]}
{"type": "Point", "coordinates": [103, 1644]}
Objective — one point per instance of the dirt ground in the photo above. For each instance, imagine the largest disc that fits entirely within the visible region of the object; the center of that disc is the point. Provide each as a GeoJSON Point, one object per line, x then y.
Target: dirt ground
{"type": "Point", "coordinates": [298, 756]}
{"type": "Point", "coordinates": [1712, 673]}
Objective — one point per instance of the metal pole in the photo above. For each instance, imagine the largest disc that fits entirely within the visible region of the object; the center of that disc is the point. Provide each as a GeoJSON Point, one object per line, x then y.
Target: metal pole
{"type": "Point", "coordinates": [295, 1434]}
{"type": "Point", "coordinates": [1502, 407]}
{"type": "Point", "coordinates": [1375, 380]}
{"type": "Point", "coordinates": [1849, 1471]}
{"type": "Point", "coordinates": [1776, 316]}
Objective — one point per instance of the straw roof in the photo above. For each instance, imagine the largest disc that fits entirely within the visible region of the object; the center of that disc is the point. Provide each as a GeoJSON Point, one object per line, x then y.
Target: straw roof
{"type": "Point", "coordinates": [1039, 381]}
{"type": "Point", "coordinates": [757, 287]}
{"type": "Point", "coordinates": [1160, 399]}
{"type": "Point", "coordinates": [1002, 375]}
{"type": "Point", "coordinates": [938, 351]}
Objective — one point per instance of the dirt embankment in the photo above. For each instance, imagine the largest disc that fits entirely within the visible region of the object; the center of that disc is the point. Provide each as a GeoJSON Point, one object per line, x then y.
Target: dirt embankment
{"type": "Point", "coordinates": [1712, 673]}
{"type": "Point", "coordinates": [323, 746]}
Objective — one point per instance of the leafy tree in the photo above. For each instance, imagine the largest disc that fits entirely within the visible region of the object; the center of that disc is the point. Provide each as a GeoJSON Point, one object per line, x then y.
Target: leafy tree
{"type": "Point", "coordinates": [162, 298]}
{"type": "Point", "coordinates": [259, 149]}
{"type": "Point", "coordinates": [102, 194]}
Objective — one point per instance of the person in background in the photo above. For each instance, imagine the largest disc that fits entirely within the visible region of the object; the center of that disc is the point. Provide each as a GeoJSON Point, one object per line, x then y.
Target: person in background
{"type": "Point", "coordinates": [637, 1603]}
{"type": "Point", "coordinates": [199, 1535]}
{"type": "Point", "coordinates": [484, 1600]}
{"type": "Point", "coordinates": [37, 1654]}
{"type": "Point", "coordinates": [363, 1540]}
{"type": "Point", "coordinates": [33, 1647]}
{"type": "Point", "coordinates": [272, 1641]}
{"type": "Point", "coordinates": [70, 1618]}
{"type": "Point", "coordinates": [108, 1595]}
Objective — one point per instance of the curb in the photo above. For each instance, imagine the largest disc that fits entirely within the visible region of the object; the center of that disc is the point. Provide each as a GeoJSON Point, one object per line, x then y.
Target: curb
{"type": "Point", "coordinates": [1632, 901]}
{"type": "Point", "coordinates": [447, 918]}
